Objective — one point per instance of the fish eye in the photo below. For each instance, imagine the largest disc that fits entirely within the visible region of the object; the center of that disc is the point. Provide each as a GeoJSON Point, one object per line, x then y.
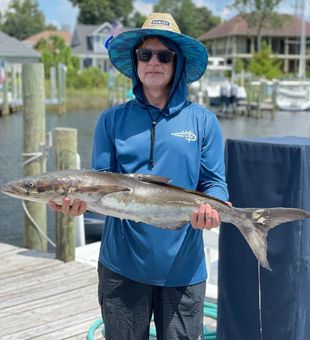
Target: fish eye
{"type": "Point", "coordinates": [30, 184]}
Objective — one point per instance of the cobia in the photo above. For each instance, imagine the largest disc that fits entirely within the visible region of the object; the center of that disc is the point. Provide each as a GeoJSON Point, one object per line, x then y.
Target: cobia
{"type": "Point", "coordinates": [149, 199]}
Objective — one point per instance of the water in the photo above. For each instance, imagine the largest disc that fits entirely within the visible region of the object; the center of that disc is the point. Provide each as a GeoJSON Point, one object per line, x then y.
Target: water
{"type": "Point", "coordinates": [11, 139]}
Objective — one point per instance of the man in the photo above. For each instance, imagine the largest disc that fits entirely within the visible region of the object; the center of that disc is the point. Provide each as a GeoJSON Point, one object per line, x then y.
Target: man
{"type": "Point", "coordinates": [143, 269]}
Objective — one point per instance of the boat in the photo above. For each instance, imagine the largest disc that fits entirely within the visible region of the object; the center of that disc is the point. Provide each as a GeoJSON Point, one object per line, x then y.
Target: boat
{"type": "Point", "coordinates": [219, 89]}
{"type": "Point", "coordinates": [295, 95]}
{"type": "Point", "coordinates": [293, 98]}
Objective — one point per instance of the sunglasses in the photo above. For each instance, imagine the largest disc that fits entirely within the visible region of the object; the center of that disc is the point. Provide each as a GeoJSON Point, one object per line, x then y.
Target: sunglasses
{"type": "Point", "coordinates": [163, 56]}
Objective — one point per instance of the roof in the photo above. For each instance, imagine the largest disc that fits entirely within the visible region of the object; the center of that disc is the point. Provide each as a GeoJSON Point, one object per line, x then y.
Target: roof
{"type": "Point", "coordinates": [34, 39]}
{"type": "Point", "coordinates": [12, 47]}
{"type": "Point", "coordinates": [80, 40]}
{"type": "Point", "coordinates": [238, 26]}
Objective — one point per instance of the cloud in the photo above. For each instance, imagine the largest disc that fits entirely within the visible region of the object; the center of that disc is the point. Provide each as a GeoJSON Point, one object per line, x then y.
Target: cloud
{"type": "Point", "coordinates": [54, 23]}
{"type": "Point", "coordinates": [227, 13]}
{"type": "Point", "coordinates": [143, 6]}
{"type": "Point", "coordinates": [62, 13]}
{"type": "Point", "coordinates": [287, 6]}
{"type": "Point", "coordinates": [4, 4]}
{"type": "Point", "coordinates": [152, 2]}
{"type": "Point", "coordinates": [201, 3]}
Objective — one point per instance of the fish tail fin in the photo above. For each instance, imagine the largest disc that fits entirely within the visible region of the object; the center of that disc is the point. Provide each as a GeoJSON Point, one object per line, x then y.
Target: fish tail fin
{"type": "Point", "coordinates": [256, 224]}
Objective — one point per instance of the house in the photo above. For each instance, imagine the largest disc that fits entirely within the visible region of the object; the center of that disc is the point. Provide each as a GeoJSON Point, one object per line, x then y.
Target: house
{"type": "Point", "coordinates": [234, 39]}
{"type": "Point", "coordinates": [34, 39]}
{"type": "Point", "coordinates": [88, 43]}
{"type": "Point", "coordinates": [14, 51]}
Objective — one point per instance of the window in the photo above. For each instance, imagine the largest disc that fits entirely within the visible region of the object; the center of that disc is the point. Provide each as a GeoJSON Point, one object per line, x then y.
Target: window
{"type": "Point", "coordinates": [87, 62]}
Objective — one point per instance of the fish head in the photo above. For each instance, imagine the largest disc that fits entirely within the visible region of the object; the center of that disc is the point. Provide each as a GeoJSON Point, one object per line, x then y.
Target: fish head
{"type": "Point", "coordinates": [40, 188]}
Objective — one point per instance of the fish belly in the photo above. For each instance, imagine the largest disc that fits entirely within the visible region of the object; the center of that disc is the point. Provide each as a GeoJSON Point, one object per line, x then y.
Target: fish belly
{"type": "Point", "coordinates": [163, 215]}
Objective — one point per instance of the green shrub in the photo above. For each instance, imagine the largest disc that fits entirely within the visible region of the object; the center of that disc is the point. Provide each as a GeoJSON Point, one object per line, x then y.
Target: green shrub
{"type": "Point", "coordinates": [263, 65]}
{"type": "Point", "coordinates": [87, 78]}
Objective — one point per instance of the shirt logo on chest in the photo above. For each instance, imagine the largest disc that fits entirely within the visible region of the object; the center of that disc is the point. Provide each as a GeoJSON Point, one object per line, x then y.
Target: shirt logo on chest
{"type": "Point", "coordinates": [186, 134]}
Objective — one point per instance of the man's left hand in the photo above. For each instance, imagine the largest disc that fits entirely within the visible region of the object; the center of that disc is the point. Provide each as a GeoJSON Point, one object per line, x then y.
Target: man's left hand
{"type": "Point", "coordinates": [205, 217]}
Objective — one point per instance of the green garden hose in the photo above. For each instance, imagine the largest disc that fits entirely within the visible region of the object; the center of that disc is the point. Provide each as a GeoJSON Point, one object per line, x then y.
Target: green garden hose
{"type": "Point", "coordinates": [209, 310]}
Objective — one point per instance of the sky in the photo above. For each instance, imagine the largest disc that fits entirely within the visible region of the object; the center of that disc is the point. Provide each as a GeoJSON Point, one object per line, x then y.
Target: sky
{"type": "Point", "coordinates": [62, 13]}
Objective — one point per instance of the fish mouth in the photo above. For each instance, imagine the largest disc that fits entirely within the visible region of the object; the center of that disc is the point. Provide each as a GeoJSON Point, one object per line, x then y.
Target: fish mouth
{"type": "Point", "coordinates": [14, 191]}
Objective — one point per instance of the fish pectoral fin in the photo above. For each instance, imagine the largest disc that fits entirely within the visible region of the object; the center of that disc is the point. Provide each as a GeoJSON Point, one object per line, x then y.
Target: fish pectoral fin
{"type": "Point", "coordinates": [103, 188]}
{"type": "Point", "coordinates": [150, 178]}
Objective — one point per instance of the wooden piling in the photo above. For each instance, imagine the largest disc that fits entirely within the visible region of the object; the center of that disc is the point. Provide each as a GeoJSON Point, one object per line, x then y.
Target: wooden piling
{"type": "Point", "coordinates": [261, 94]}
{"type": "Point", "coordinates": [5, 100]}
{"type": "Point", "coordinates": [65, 142]}
{"type": "Point", "coordinates": [14, 82]}
{"type": "Point", "coordinates": [275, 86]}
{"type": "Point", "coordinates": [34, 139]}
{"type": "Point", "coordinates": [61, 89]}
{"type": "Point", "coordinates": [249, 98]}
{"type": "Point", "coordinates": [19, 82]}
{"type": "Point", "coordinates": [53, 90]}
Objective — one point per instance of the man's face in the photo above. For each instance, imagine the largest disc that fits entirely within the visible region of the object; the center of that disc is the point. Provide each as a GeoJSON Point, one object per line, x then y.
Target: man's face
{"type": "Point", "coordinates": [155, 74]}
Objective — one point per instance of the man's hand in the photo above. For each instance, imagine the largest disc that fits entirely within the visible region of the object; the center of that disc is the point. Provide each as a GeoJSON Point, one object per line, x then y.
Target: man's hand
{"type": "Point", "coordinates": [77, 207]}
{"type": "Point", "coordinates": [205, 217]}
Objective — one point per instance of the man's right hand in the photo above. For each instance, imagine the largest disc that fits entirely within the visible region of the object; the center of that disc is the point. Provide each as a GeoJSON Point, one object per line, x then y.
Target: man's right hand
{"type": "Point", "coordinates": [75, 208]}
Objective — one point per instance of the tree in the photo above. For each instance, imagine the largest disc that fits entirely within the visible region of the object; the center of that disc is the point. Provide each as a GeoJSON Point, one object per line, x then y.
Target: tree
{"type": "Point", "coordinates": [185, 18]}
{"type": "Point", "coordinates": [263, 65]}
{"type": "Point", "coordinates": [52, 27]}
{"type": "Point", "coordinates": [192, 20]}
{"type": "Point", "coordinates": [168, 6]}
{"type": "Point", "coordinates": [54, 51]}
{"type": "Point", "coordinates": [95, 12]}
{"type": "Point", "coordinates": [238, 65]}
{"type": "Point", "coordinates": [258, 14]}
{"type": "Point", "coordinates": [136, 19]}
{"type": "Point", "coordinates": [203, 21]}
{"type": "Point", "coordinates": [23, 19]}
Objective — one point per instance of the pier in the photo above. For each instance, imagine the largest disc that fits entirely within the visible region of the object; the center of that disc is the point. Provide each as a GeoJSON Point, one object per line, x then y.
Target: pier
{"type": "Point", "coordinates": [44, 298]}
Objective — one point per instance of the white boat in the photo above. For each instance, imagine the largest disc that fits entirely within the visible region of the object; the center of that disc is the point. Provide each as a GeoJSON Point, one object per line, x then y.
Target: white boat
{"type": "Point", "coordinates": [220, 90]}
{"type": "Point", "coordinates": [293, 98]}
{"type": "Point", "coordinates": [295, 95]}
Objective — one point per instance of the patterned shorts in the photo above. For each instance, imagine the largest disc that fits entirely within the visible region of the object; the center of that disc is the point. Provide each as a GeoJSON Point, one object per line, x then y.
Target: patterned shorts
{"type": "Point", "coordinates": [127, 307]}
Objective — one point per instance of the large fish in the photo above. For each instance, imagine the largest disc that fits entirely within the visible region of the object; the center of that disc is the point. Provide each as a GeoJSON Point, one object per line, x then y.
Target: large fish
{"type": "Point", "coordinates": [149, 199]}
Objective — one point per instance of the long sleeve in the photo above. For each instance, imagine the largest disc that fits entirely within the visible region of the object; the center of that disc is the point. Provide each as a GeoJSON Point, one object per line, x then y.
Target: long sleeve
{"type": "Point", "coordinates": [212, 167]}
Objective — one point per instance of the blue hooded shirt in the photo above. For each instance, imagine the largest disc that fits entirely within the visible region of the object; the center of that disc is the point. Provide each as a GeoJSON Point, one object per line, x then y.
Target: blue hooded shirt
{"type": "Point", "coordinates": [188, 149]}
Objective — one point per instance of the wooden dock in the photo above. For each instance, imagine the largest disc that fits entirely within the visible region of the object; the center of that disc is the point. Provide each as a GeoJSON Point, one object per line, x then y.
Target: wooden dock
{"type": "Point", "coordinates": [44, 298]}
{"type": "Point", "coordinates": [47, 299]}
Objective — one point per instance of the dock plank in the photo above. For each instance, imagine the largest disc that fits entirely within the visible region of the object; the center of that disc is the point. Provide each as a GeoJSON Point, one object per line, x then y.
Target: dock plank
{"type": "Point", "coordinates": [59, 329]}
{"type": "Point", "coordinates": [16, 263]}
{"type": "Point", "coordinates": [47, 289]}
{"type": "Point", "coordinates": [44, 298]}
{"type": "Point", "coordinates": [41, 276]}
{"type": "Point", "coordinates": [6, 248]}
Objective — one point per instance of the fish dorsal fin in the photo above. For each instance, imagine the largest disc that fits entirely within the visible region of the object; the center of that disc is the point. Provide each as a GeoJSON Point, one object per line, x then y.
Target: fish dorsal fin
{"type": "Point", "coordinates": [102, 188]}
{"type": "Point", "coordinates": [167, 184]}
{"type": "Point", "coordinates": [150, 178]}
{"type": "Point", "coordinates": [165, 181]}
{"type": "Point", "coordinates": [196, 193]}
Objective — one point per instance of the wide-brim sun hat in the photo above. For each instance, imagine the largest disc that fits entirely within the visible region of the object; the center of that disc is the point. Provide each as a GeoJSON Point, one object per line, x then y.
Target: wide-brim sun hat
{"type": "Point", "coordinates": [159, 25]}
